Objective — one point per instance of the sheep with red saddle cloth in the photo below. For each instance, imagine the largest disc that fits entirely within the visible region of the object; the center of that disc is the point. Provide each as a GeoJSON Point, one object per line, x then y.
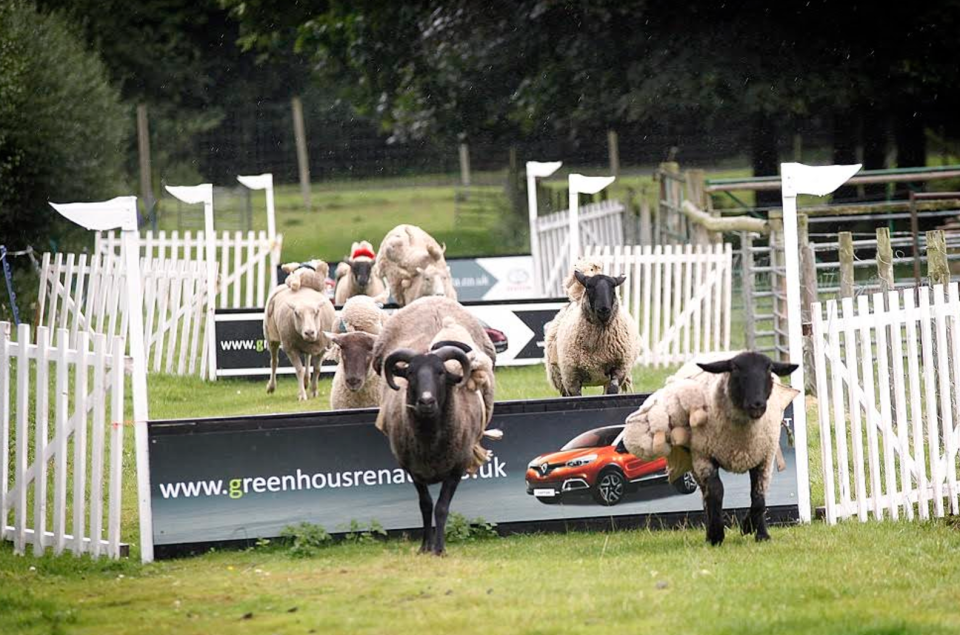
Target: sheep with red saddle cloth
{"type": "Point", "coordinates": [358, 274]}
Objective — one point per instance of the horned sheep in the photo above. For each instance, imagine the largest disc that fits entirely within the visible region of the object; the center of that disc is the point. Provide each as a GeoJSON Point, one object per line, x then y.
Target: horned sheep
{"type": "Point", "coordinates": [413, 264]}
{"type": "Point", "coordinates": [591, 341]}
{"type": "Point", "coordinates": [724, 414]}
{"type": "Point", "coordinates": [435, 422]}
{"type": "Point", "coordinates": [295, 321]}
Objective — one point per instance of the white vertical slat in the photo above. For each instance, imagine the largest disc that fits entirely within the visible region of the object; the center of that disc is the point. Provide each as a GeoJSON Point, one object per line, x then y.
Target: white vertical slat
{"type": "Point", "coordinates": [900, 399]}
{"type": "Point", "coordinates": [23, 388]}
{"type": "Point", "coordinates": [635, 281]}
{"type": "Point", "coordinates": [64, 293]}
{"type": "Point", "coordinates": [916, 415]}
{"type": "Point", "coordinates": [41, 435]}
{"type": "Point", "coordinates": [6, 364]}
{"type": "Point", "coordinates": [163, 291]}
{"type": "Point", "coordinates": [953, 310]}
{"type": "Point", "coordinates": [709, 274]}
{"type": "Point", "coordinates": [149, 251]}
{"type": "Point", "coordinates": [688, 294]}
{"type": "Point", "coordinates": [114, 308]}
{"type": "Point", "coordinates": [720, 277]}
{"type": "Point", "coordinates": [44, 287]}
{"type": "Point", "coordinates": [880, 320]}
{"type": "Point", "coordinates": [698, 345]}
{"type": "Point", "coordinates": [946, 408]}
{"type": "Point", "coordinates": [727, 294]}
{"type": "Point", "coordinates": [224, 269]}
{"type": "Point", "coordinates": [666, 296]}
{"type": "Point", "coordinates": [657, 302]}
{"type": "Point", "coordinates": [175, 244]}
{"type": "Point", "coordinates": [930, 398]}
{"type": "Point", "coordinates": [237, 268]}
{"type": "Point", "coordinates": [870, 397]}
{"type": "Point", "coordinates": [850, 344]}
{"type": "Point", "coordinates": [678, 305]}
{"type": "Point", "coordinates": [149, 274]}
{"type": "Point", "coordinates": [54, 292]}
{"type": "Point", "coordinates": [96, 446]}
{"type": "Point", "coordinates": [263, 280]}
{"type": "Point", "coordinates": [116, 449]}
{"type": "Point", "coordinates": [646, 327]}
{"type": "Point", "coordinates": [200, 300]}
{"type": "Point", "coordinates": [839, 416]}
{"type": "Point", "coordinates": [80, 311]}
{"type": "Point", "coordinates": [189, 296]}
{"type": "Point", "coordinates": [94, 284]}
{"type": "Point", "coordinates": [823, 410]}
{"type": "Point", "coordinates": [80, 402]}
{"type": "Point", "coordinates": [61, 405]}
{"type": "Point", "coordinates": [176, 302]}
{"type": "Point", "coordinates": [249, 278]}
{"type": "Point", "coordinates": [125, 308]}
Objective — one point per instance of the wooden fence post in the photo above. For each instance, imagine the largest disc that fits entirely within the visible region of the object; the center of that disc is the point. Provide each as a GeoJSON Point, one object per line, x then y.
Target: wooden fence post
{"type": "Point", "coordinates": [303, 160]}
{"type": "Point", "coordinates": [885, 260]}
{"type": "Point", "coordinates": [646, 228]}
{"type": "Point", "coordinates": [938, 270]}
{"type": "Point", "coordinates": [808, 295]}
{"type": "Point", "coordinates": [613, 145]}
{"type": "Point", "coordinates": [846, 265]}
{"type": "Point", "coordinates": [746, 288]}
{"type": "Point", "coordinates": [464, 165]}
{"type": "Point", "coordinates": [143, 149]}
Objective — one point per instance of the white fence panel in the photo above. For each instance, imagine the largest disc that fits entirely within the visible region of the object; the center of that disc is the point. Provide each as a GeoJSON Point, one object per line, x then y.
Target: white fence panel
{"type": "Point", "coordinates": [679, 295]}
{"type": "Point", "coordinates": [79, 295]}
{"type": "Point", "coordinates": [83, 514]}
{"type": "Point", "coordinates": [905, 462]}
{"type": "Point", "coordinates": [244, 259]}
{"type": "Point", "coordinates": [600, 224]}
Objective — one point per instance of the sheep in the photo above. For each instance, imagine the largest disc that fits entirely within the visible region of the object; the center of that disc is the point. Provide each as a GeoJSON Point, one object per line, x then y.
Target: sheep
{"type": "Point", "coordinates": [295, 321]}
{"type": "Point", "coordinates": [312, 274]}
{"type": "Point", "coordinates": [355, 384]}
{"type": "Point", "coordinates": [727, 416]}
{"type": "Point", "coordinates": [358, 275]}
{"type": "Point", "coordinates": [592, 342]}
{"type": "Point", "coordinates": [434, 424]}
{"type": "Point", "coordinates": [361, 313]}
{"type": "Point", "coordinates": [413, 264]}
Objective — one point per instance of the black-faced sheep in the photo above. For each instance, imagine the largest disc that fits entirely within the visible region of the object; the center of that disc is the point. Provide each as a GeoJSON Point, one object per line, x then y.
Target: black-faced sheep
{"type": "Point", "coordinates": [413, 264]}
{"type": "Point", "coordinates": [312, 274]}
{"type": "Point", "coordinates": [355, 384]}
{"type": "Point", "coordinates": [435, 422]}
{"type": "Point", "coordinates": [359, 275]}
{"type": "Point", "coordinates": [592, 342]}
{"type": "Point", "coordinates": [729, 417]}
{"type": "Point", "coordinates": [295, 321]}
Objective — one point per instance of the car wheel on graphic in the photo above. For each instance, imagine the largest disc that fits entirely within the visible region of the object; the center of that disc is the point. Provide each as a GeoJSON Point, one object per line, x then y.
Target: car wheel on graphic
{"type": "Point", "coordinates": [610, 488]}
{"type": "Point", "coordinates": [686, 484]}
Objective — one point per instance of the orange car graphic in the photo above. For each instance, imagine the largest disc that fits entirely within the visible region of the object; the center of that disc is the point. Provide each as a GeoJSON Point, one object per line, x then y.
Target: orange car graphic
{"type": "Point", "coordinates": [596, 462]}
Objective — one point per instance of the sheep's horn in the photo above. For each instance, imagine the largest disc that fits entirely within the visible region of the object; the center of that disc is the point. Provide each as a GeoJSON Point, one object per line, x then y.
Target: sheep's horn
{"type": "Point", "coordinates": [394, 358]}
{"type": "Point", "coordinates": [452, 352]}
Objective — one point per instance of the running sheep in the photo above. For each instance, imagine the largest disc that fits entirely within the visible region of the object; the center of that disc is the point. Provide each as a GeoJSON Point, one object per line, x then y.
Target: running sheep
{"type": "Point", "coordinates": [295, 321]}
{"type": "Point", "coordinates": [312, 274]}
{"type": "Point", "coordinates": [434, 422]}
{"type": "Point", "coordinates": [359, 275]}
{"type": "Point", "coordinates": [591, 341]}
{"type": "Point", "coordinates": [355, 383]}
{"type": "Point", "coordinates": [413, 264]}
{"type": "Point", "coordinates": [725, 414]}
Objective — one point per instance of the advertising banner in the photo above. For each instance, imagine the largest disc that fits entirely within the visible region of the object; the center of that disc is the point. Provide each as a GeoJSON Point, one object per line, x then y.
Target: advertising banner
{"type": "Point", "coordinates": [496, 278]}
{"type": "Point", "coordinates": [560, 461]}
{"type": "Point", "coordinates": [516, 329]}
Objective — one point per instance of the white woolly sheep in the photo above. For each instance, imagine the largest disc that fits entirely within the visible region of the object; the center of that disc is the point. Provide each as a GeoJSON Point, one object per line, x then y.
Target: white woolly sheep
{"type": "Point", "coordinates": [361, 313]}
{"type": "Point", "coordinates": [435, 423]}
{"type": "Point", "coordinates": [727, 416]}
{"type": "Point", "coordinates": [295, 321]}
{"type": "Point", "coordinates": [359, 275]}
{"type": "Point", "coordinates": [355, 384]}
{"type": "Point", "coordinates": [413, 264]}
{"type": "Point", "coordinates": [312, 274]}
{"type": "Point", "coordinates": [592, 342]}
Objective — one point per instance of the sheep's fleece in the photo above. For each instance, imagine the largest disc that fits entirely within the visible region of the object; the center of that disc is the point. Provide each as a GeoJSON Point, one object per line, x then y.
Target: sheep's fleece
{"type": "Point", "coordinates": [314, 276]}
{"type": "Point", "coordinates": [690, 415]}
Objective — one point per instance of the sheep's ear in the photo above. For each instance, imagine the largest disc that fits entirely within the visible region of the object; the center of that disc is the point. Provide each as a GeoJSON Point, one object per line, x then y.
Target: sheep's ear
{"type": "Point", "coordinates": [349, 262]}
{"type": "Point", "coordinates": [582, 279]}
{"type": "Point", "coordinates": [717, 367]}
{"type": "Point", "coordinates": [331, 336]}
{"type": "Point", "coordinates": [782, 369]}
{"type": "Point", "coordinates": [619, 280]}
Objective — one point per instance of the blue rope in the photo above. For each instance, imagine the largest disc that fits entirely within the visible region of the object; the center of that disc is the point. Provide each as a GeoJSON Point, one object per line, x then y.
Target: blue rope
{"type": "Point", "coordinates": [8, 276]}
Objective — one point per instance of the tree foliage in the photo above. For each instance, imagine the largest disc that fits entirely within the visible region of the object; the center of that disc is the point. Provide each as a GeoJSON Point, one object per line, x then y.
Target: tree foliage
{"type": "Point", "coordinates": [62, 126]}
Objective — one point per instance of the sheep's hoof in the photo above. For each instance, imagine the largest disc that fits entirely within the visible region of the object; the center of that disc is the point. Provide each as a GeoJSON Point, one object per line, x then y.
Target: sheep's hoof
{"type": "Point", "coordinates": [271, 386]}
{"type": "Point", "coordinates": [302, 396]}
{"type": "Point", "coordinates": [763, 536]}
{"type": "Point", "coordinates": [715, 536]}
{"type": "Point", "coordinates": [613, 388]}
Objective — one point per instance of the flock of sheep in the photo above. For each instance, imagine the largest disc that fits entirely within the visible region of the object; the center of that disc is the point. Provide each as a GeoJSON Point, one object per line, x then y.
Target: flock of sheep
{"type": "Point", "coordinates": [429, 369]}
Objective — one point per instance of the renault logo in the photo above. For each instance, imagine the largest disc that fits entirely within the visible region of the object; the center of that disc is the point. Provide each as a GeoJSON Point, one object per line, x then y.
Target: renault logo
{"type": "Point", "coordinates": [544, 468]}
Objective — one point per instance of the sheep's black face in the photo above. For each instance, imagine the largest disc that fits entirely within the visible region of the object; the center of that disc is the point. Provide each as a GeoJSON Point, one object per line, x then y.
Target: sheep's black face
{"type": "Point", "coordinates": [428, 380]}
{"type": "Point", "coordinates": [361, 270]}
{"type": "Point", "coordinates": [751, 380]}
{"type": "Point", "coordinates": [601, 295]}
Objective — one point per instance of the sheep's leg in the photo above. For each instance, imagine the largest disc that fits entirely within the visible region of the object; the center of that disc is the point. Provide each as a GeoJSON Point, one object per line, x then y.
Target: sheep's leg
{"type": "Point", "coordinates": [426, 510]}
{"type": "Point", "coordinates": [756, 520]}
{"type": "Point", "coordinates": [707, 473]}
{"type": "Point", "coordinates": [317, 361]}
{"type": "Point", "coordinates": [298, 366]}
{"type": "Point", "coordinates": [616, 381]}
{"type": "Point", "coordinates": [447, 491]}
{"type": "Point", "coordinates": [274, 356]}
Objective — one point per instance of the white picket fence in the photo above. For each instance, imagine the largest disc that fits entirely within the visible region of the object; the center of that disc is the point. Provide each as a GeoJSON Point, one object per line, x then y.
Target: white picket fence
{"type": "Point", "coordinates": [600, 224]}
{"type": "Point", "coordinates": [679, 296]}
{"type": "Point", "coordinates": [82, 491]}
{"type": "Point", "coordinates": [898, 373]}
{"type": "Point", "coordinates": [88, 295]}
{"type": "Point", "coordinates": [246, 275]}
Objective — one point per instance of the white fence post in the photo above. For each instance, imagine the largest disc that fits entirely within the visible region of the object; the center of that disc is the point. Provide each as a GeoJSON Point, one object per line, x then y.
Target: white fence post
{"type": "Point", "coordinates": [578, 184]}
{"type": "Point", "coordinates": [265, 182]}
{"type": "Point", "coordinates": [535, 170]}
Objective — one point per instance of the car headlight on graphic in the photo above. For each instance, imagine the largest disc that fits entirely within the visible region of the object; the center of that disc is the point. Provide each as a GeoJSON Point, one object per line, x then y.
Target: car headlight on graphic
{"type": "Point", "coordinates": [582, 460]}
